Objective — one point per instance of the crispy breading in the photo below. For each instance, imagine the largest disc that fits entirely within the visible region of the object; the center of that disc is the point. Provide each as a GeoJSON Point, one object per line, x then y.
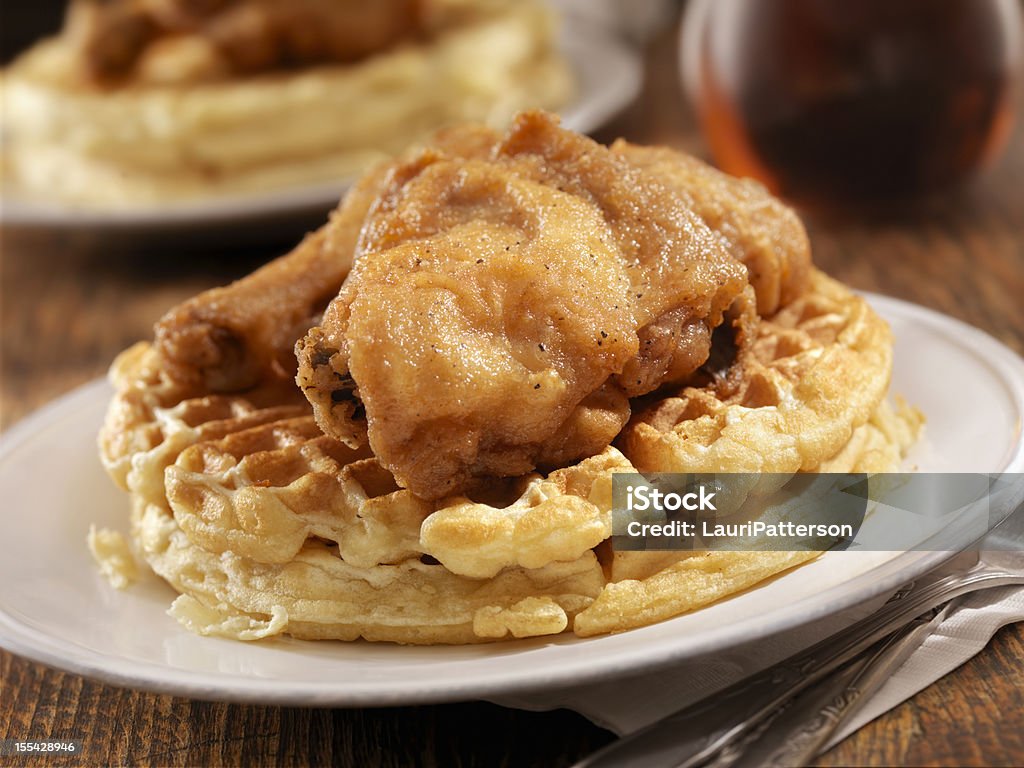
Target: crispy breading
{"type": "Point", "coordinates": [761, 231]}
{"type": "Point", "coordinates": [503, 309]}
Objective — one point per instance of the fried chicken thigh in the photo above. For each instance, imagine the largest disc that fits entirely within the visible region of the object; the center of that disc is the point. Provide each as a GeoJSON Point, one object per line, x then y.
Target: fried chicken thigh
{"type": "Point", "coordinates": [507, 301]}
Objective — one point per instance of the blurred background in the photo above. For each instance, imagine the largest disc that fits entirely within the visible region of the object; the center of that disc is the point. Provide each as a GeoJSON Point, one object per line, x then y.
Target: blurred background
{"type": "Point", "coordinates": [894, 127]}
{"type": "Point", "coordinates": [827, 102]}
{"type": "Point", "coordinates": [25, 23]}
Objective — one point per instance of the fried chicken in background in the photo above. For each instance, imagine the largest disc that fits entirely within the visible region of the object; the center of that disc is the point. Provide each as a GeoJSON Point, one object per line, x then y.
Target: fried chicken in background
{"type": "Point", "coordinates": [119, 39]}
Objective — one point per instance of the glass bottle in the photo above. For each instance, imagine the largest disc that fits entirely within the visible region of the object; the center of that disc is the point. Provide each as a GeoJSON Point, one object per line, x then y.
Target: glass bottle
{"type": "Point", "coordinates": [836, 100]}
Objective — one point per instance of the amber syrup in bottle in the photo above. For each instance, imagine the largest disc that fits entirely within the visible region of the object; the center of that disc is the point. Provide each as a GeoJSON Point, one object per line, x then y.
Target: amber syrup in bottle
{"type": "Point", "coordinates": [829, 101]}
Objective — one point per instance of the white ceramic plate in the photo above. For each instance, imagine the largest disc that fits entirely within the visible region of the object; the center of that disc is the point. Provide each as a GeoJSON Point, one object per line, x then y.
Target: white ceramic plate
{"type": "Point", "coordinates": [55, 608]}
{"type": "Point", "coordinates": [608, 72]}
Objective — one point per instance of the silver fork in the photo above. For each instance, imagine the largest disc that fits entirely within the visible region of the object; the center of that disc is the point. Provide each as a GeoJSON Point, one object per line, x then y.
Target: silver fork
{"type": "Point", "coordinates": [807, 722]}
{"type": "Point", "coordinates": [696, 733]}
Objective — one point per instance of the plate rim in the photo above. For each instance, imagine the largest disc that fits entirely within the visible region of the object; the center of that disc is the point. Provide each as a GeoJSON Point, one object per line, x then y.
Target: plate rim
{"type": "Point", "coordinates": [38, 646]}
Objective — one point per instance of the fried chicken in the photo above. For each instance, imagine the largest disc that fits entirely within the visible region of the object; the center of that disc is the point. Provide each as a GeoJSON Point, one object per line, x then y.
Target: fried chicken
{"type": "Point", "coordinates": [113, 37]}
{"type": "Point", "coordinates": [505, 306]}
{"type": "Point", "coordinates": [767, 236]}
{"type": "Point", "coordinates": [510, 295]}
{"type": "Point", "coordinates": [227, 339]}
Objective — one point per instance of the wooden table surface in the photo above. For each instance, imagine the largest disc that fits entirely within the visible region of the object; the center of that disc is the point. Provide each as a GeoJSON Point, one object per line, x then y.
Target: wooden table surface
{"type": "Point", "coordinates": [71, 301]}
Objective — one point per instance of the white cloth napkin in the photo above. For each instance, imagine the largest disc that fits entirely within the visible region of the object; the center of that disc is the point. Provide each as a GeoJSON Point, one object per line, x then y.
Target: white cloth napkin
{"type": "Point", "coordinates": [626, 705]}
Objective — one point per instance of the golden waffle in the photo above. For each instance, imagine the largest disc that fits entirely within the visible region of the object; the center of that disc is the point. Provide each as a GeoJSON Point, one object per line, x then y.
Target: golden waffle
{"type": "Point", "coordinates": [152, 419]}
{"type": "Point", "coordinates": [811, 398]}
{"type": "Point", "coordinates": [265, 525]}
{"type": "Point", "coordinates": [815, 372]}
{"type": "Point", "coordinates": [645, 587]}
{"type": "Point", "coordinates": [317, 595]}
